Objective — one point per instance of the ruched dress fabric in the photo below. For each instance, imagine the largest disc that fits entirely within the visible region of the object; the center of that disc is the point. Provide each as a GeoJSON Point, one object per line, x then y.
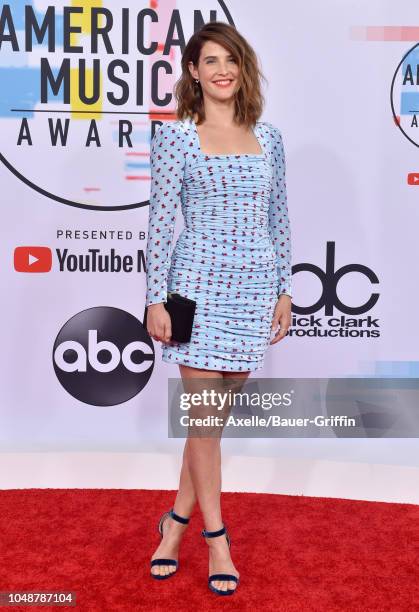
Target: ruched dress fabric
{"type": "Point", "coordinates": [233, 255]}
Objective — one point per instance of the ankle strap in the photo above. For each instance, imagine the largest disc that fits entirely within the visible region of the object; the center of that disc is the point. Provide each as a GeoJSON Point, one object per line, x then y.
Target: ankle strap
{"type": "Point", "coordinates": [214, 534]}
{"type": "Point", "coordinates": [178, 518]}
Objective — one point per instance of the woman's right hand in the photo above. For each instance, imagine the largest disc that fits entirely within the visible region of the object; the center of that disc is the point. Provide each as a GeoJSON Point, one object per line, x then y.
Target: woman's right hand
{"type": "Point", "coordinates": [159, 325]}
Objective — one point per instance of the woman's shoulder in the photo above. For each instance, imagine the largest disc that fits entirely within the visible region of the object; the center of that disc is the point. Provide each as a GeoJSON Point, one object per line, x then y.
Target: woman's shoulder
{"type": "Point", "coordinates": [269, 129]}
{"type": "Point", "coordinates": [173, 132]}
{"type": "Point", "coordinates": [272, 135]}
{"type": "Point", "coordinates": [168, 128]}
{"type": "Point", "coordinates": [178, 127]}
{"type": "Point", "coordinates": [169, 139]}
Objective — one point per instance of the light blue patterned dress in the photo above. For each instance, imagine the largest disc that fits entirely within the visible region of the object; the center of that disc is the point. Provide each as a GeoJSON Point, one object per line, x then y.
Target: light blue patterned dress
{"type": "Point", "coordinates": [233, 255]}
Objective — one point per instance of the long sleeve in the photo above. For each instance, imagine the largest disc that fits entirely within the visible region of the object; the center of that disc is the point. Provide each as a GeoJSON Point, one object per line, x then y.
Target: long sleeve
{"type": "Point", "coordinates": [279, 224]}
{"type": "Point", "coordinates": [167, 162]}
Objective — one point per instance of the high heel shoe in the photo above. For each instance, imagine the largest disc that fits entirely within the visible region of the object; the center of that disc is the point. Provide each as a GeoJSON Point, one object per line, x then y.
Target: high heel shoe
{"type": "Point", "coordinates": [179, 519]}
{"type": "Point", "coordinates": [214, 534]}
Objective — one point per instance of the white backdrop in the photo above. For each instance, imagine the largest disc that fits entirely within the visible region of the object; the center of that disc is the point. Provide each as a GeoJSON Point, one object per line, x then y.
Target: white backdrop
{"type": "Point", "coordinates": [351, 189]}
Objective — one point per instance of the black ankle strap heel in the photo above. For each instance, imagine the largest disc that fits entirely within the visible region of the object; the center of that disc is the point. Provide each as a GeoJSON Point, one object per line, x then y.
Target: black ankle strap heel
{"type": "Point", "coordinates": [173, 515]}
{"type": "Point", "coordinates": [215, 534]}
{"type": "Point", "coordinates": [179, 519]}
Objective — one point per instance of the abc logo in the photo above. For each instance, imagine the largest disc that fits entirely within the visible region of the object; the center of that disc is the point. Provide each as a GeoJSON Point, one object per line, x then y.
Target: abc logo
{"type": "Point", "coordinates": [103, 356]}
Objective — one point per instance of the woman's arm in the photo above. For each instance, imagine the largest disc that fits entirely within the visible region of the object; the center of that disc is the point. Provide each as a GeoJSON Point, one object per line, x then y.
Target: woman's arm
{"type": "Point", "coordinates": [167, 161]}
{"type": "Point", "coordinates": [279, 224]}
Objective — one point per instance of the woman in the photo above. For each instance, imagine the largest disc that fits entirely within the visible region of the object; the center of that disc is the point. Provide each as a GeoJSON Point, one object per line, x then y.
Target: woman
{"type": "Point", "coordinates": [233, 257]}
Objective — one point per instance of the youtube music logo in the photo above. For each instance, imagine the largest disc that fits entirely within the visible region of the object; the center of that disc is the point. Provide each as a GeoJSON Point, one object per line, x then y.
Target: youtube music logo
{"type": "Point", "coordinates": [32, 259]}
{"type": "Point", "coordinates": [413, 178]}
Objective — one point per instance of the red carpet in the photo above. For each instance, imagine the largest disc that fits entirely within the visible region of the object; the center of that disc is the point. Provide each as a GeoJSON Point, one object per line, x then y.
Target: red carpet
{"type": "Point", "coordinates": [293, 553]}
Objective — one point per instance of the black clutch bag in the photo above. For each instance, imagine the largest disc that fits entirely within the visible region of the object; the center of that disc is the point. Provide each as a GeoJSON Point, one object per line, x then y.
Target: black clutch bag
{"type": "Point", "coordinates": [182, 311]}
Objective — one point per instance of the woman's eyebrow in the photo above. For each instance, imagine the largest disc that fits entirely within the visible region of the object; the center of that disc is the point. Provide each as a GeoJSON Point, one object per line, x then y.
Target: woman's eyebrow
{"type": "Point", "coordinates": [214, 56]}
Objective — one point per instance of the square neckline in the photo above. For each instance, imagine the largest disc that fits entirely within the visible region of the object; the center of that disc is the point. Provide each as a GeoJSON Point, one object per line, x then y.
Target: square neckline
{"type": "Point", "coordinates": [216, 155]}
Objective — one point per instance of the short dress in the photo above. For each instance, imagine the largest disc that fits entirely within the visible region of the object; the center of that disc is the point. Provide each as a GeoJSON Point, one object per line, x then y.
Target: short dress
{"type": "Point", "coordinates": [233, 256]}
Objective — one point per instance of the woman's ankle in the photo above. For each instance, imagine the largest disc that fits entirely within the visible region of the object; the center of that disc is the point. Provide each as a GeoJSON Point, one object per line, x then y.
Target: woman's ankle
{"type": "Point", "coordinates": [218, 543]}
{"type": "Point", "coordinates": [183, 513]}
{"type": "Point", "coordinates": [172, 527]}
{"type": "Point", "coordinates": [214, 524]}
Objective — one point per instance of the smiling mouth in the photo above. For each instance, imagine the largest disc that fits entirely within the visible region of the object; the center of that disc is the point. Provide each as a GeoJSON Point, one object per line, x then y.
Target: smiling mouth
{"type": "Point", "coordinates": [223, 82]}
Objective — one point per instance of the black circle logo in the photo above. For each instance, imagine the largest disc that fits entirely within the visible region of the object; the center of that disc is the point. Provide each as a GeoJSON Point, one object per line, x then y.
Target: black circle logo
{"type": "Point", "coordinates": [103, 356]}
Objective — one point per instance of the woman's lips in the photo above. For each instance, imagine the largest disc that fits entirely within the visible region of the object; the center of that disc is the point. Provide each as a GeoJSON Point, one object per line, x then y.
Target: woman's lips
{"type": "Point", "coordinates": [223, 84]}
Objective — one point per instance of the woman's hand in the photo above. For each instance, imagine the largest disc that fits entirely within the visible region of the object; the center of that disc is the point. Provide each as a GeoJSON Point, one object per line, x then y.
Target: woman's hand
{"type": "Point", "coordinates": [282, 317]}
{"type": "Point", "coordinates": [159, 325]}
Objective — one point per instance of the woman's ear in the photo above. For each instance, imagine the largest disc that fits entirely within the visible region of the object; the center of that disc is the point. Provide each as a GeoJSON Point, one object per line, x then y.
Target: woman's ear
{"type": "Point", "coordinates": [193, 70]}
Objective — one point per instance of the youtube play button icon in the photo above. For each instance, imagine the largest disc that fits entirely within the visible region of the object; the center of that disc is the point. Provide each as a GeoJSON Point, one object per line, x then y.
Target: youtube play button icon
{"type": "Point", "coordinates": [413, 178]}
{"type": "Point", "coordinates": [32, 259]}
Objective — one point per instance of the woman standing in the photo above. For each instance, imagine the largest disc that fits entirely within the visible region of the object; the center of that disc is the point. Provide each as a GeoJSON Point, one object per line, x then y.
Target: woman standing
{"type": "Point", "coordinates": [233, 257]}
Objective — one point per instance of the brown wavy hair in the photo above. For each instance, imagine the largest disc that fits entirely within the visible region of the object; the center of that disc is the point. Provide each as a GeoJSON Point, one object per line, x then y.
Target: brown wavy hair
{"type": "Point", "coordinates": [249, 100]}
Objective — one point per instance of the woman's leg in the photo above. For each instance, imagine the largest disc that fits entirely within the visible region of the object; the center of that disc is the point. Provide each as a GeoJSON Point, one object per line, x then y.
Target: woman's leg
{"type": "Point", "coordinates": [173, 530]}
{"type": "Point", "coordinates": [204, 461]}
{"type": "Point", "coordinates": [184, 504]}
{"type": "Point", "coordinates": [201, 471]}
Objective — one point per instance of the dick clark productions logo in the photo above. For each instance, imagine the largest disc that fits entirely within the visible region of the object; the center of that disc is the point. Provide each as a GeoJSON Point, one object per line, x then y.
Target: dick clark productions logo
{"type": "Point", "coordinates": [79, 84]}
{"type": "Point", "coordinates": [103, 356]}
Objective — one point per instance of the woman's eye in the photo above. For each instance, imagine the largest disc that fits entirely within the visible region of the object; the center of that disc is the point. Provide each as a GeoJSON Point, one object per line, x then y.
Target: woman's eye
{"type": "Point", "coordinates": [212, 61]}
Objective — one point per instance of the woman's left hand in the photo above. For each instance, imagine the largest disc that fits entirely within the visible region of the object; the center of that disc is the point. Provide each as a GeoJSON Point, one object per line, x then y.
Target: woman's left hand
{"type": "Point", "coordinates": [282, 317]}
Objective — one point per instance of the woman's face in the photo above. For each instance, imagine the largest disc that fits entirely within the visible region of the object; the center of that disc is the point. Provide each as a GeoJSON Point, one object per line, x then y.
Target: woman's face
{"type": "Point", "coordinates": [216, 64]}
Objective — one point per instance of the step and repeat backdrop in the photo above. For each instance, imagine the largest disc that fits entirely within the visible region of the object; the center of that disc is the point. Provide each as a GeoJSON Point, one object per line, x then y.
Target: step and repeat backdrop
{"type": "Point", "coordinates": [83, 87]}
